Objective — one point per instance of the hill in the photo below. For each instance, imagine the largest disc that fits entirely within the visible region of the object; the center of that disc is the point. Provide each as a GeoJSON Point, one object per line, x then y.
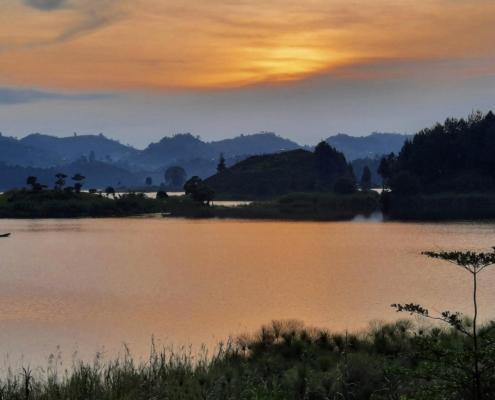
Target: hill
{"type": "Point", "coordinates": [98, 175]}
{"type": "Point", "coordinates": [276, 174]}
{"type": "Point", "coordinates": [12, 152]}
{"type": "Point", "coordinates": [183, 148]}
{"type": "Point", "coordinates": [73, 147]}
{"type": "Point", "coordinates": [456, 156]}
{"type": "Point", "coordinates": [368, 146]}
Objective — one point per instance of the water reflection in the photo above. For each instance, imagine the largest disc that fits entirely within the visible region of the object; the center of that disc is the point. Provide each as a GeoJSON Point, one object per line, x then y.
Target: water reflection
{"type": "Point", "coordinates": [101, 282]}
{"type": "Point", "coordinates": [374, 217]}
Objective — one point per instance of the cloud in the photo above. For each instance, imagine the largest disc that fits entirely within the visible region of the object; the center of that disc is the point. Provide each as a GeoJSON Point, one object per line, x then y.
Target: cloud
{"type": "Point", "coordinates": [45, 5]}
{"type": "Point", "coordinates": [21, 96]}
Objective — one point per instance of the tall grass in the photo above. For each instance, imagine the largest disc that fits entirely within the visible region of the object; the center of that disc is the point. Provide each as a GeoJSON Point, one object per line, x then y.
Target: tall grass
{"type": "Point", "coordinates": [282, 360]}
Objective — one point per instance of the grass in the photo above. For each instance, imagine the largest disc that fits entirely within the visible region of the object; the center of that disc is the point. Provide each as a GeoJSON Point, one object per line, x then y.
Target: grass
{"type": "Point", "coordinates": [295, 206]}
{"type": "Point", "coordinates": [59, 204]}
{"type": "Point", "coordinates": [282, 360]}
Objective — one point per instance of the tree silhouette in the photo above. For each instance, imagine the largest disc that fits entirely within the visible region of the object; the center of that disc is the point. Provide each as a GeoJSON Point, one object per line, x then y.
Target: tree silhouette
{"type": "Point", "coordinates": [78, 178]}
{"type": "Point", "coordinates": [110, 191]}
{"type": "Point", "coordinates": [472, 367]}
{"type": "Point", "coordinates": [366, 179]}
{"type": "Point", "coordinates": [175, 176]}
{"type": "Point", "coordinates": [199, 192]}
{"type": "Point", "coordinates": [92, 155]}
{"type": "Point", "coordinates": [149, 181]}
{"type": "Point", "coordinates": [384, 170]}
{"type": "Point", "coordinates": [221, 163]}
{"type": "Point", "coordinates": [60, 182]}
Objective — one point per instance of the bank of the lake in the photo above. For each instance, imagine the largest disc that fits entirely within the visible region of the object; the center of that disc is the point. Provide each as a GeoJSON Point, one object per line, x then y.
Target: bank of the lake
{"type": "Point", "coordinates": [296, 206]}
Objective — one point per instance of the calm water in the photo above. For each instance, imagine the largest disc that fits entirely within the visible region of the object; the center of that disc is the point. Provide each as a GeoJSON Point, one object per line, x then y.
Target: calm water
{"type": "Point", "coordinates": [84, 284]}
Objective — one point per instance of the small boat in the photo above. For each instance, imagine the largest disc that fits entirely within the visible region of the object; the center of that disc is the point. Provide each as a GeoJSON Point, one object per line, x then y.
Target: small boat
{"type": "Point", "coordinates": [5, 235]}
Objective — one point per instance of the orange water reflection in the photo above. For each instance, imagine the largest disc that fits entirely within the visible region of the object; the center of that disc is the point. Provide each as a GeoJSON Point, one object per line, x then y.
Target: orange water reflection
{"type": "Point", "coordinates": [82, 284]}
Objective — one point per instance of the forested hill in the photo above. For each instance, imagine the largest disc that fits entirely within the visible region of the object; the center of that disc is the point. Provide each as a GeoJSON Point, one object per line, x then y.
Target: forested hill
{"type": "Point", "coordinates": [285, 172]}
{"type": "Point", "coordinates": [368, 146]}
{"type": "Point", "coordinates": [12, 152]}
{"type": "Point", "coordinates": [186, 147]}
{"type": "Point", "coordinates": [456, 156]}
{"type": "Point", "coordinates": [73, 147]}
{"type": "Point", "coordinates": [98, 175]}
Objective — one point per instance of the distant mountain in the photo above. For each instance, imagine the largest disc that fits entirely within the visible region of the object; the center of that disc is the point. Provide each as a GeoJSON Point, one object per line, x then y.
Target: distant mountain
{"type": "Point", "coordinates": [183, 148]}
{"type": "Point", "coordinates": [276, 174]}
{"type": "Point", "coordinates": [13, 152]}
{"type": "Point", "coordinates": [73, 147]}
{"type": "Point", "coordinates": [368, 146]}
{"type": "Point", "coordinates": [98, 175]}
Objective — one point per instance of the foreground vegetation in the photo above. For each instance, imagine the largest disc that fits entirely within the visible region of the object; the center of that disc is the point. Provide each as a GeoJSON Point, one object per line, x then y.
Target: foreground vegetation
{"type": "Point", "coordinates": [285, 360]}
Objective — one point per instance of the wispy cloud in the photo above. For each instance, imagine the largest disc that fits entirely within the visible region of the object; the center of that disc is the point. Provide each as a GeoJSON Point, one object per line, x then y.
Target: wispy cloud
{"type": "Point", "coordinates": [162, 45]}
{"type": "Point", "coordinates": [45, 5]}
{"type": "Point", "coordinates": [20, 96]}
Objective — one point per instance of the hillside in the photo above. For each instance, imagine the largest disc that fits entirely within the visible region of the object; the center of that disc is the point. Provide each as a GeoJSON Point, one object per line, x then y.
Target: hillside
{"type": "Point", "coordinates": [98, 175]}
{"type": "Point", "coordinates": [183, 148]}
{"type": "Point", "coordinates": [12, 152]}
{"type": "Point", "coordinates": [456, 156]}
{"type": "Point", "coordinates": [73, 147]}
{"type": "Point", "coordinates": [368, 146]}
{"type": "Point", "coordinates": [280, 173]}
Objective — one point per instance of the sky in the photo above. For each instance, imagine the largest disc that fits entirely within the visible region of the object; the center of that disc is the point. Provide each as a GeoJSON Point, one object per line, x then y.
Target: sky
{"type": "Point", "coordinates": [138, 70]}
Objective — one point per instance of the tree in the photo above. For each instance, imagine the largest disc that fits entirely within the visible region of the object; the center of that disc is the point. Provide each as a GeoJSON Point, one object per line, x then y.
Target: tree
{"type": "Point", "coordinates": [149, 181]}
{"type": "Point", "coordinates": [221, 163]}
{"type": "Point", "coordinates": [343, 185]}
{"type": "Point", "coordinates": [161, 195]}
{"type": "Point", "coordinates": [92, 156]}
{"type": "Point", "coordinates": [471, 368]}
{"type": "Point", "coordinates": [366, 179]}
{"type": "Point", "coordinates": [404, 184]}
{"type": "Point", "coordinates": [35, 185]}
{"type": "Point", "coordinates": [175, 176]}
{"type": "Point", "coordinates": [60, 182]}
{"type": "Point", "coordinates": [78, 178]}
{"type": "Point", "coordinates": [199, 192]}
{"type": "Point", "coordinates": [110, 191]}
{"type": "Point", "coordinates": [384, 170]}
{"type": "Point", "coordinates": [193, 184]}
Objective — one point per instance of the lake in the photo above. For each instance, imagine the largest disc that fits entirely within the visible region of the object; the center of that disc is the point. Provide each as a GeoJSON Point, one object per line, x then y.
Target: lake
{"type": "Point", "coordinates": [91, 283]}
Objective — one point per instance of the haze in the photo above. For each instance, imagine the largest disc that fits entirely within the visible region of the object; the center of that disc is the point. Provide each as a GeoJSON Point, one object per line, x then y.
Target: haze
{"type": "Point", "coordinates": [143, 69]}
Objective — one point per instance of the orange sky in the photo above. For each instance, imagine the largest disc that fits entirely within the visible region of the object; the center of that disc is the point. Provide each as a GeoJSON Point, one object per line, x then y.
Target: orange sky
{"type": "Point", "coordinates": [162, 45]}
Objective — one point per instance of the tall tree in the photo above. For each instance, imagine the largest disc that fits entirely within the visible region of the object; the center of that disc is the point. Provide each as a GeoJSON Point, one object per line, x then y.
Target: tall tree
{"type": "Point", "coordinates": [78, 178]}
{"type": "Point", "coordinates": [366, 179]}
{"type": "Point", "coordinates": [221, 163]}
{"type": "Point", "coordinates": [60, 182]}
{"type": "Point", "coordinates": [149, 181]}
{"type": "Point", "coordinates": [384, 170]}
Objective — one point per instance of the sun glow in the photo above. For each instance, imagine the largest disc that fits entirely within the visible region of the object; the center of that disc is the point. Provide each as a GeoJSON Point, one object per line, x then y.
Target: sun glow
{"type": "Point", "coordinates": [160, 45]}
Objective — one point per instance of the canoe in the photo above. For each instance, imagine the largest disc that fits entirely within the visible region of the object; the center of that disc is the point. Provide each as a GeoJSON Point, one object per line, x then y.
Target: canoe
{"type": "Point", "coordinates": [5, 235]}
